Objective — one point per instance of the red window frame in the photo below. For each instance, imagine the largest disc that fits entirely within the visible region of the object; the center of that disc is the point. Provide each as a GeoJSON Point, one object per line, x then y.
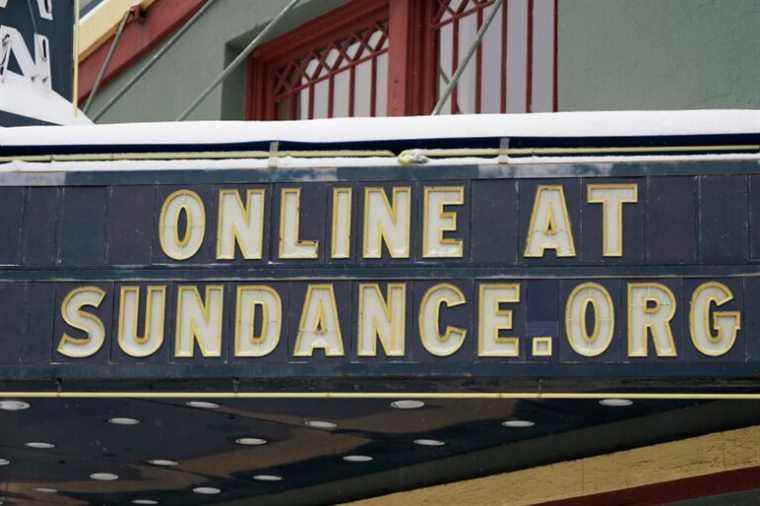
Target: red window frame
{"type": "Point", "coordinates": [412, 53]}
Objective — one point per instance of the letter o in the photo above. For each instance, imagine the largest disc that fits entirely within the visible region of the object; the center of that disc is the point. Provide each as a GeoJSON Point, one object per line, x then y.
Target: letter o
{"type": "Point", "coordinates": [174, 246]}
{"type": "Point", "coordinates": [575, 319]}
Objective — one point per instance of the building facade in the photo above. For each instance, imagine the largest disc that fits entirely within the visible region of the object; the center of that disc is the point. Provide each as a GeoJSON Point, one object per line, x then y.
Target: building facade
{"type": "Point", "coordinates": [394, 57]}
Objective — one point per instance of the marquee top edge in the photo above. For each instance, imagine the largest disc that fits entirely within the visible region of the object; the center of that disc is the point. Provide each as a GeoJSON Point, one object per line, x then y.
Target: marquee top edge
{"type": "Point", "coordinates": [202, 168]}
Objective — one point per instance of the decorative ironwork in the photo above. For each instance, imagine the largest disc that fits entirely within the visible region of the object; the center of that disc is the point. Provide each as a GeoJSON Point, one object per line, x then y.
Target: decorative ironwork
{"type": "Point", "coordinates": [343, 64]}
{"type": "Point", "coordinates": [345, 78]}
{"type": "Point", "coordinates": [450, 11]}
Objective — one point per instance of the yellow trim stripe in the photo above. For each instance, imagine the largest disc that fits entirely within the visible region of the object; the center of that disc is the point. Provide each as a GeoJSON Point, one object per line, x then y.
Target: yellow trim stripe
{"type": "Point", "coordinates": [582, 150]}
{"type": "Point", "coordinates": [662, 463]}
{"type": "Point", "coordinates": [446, 153]}
{"type": "Point", "coordinates": [201, 155]}
{"type": "Point", "coordinates": [75, 57]}
{"type": "Point", "coordinates": [385, 395]}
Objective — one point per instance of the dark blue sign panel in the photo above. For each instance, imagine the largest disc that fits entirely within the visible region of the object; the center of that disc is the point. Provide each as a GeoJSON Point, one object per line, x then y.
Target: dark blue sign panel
{"type": "Point", "coordinates": [487, 276]}
{"type": "Point", "coordinates": [36, 56]}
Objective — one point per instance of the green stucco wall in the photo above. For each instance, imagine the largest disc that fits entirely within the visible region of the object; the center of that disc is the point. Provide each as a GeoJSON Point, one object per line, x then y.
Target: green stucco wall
{"type": "Point", "coordinates": [613, 54]}
{"type": "Point", "coordinates": [196, 59]}
{"type": "Point", "coordinates": [658, 54]}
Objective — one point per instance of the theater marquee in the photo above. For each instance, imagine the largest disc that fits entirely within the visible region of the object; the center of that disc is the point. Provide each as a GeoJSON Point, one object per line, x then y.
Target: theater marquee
{"type": "Point", "coordinates": [374, 273]}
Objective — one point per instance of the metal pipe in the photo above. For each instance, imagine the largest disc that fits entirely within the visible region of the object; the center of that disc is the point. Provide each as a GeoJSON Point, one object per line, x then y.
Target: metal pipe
{"type": "Point", "coordinates": [107, 61]}
{"type": "Point", "coordinates": [471, 51]}
{"type": "Point", "coordinates": [32, 16]}
{"type": "Point", "coordinates": [75, 77]}
{"type": "Point", "coordinates": [238, 60]}
{"type": "Point", "coordinates": [153, 59]}
{"type": "Point", "coordinates": [444, 75]}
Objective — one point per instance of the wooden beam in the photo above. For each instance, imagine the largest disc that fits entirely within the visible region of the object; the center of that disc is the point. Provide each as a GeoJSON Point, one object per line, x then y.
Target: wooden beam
{"type": "Point", "coordinates": [100, 24]}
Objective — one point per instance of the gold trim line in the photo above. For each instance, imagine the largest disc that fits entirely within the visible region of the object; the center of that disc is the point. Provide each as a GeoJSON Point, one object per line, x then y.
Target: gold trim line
{"type": "Point", "coordinates": [384, 395]}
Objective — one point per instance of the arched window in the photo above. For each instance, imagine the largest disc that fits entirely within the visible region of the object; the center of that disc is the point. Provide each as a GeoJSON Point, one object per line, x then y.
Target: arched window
{"type": "Point", "coordinates": [393, 57]}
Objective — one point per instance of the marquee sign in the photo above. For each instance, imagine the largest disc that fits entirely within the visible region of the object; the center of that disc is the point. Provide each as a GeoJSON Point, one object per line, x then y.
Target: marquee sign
{"type": "Point", "coordinates": [492, 273]}
{"type": "Point", "coordinates": [36, 59]}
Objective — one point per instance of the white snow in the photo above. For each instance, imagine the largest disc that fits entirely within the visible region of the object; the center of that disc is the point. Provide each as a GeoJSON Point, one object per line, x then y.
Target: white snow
{"type": "Point", "coordinates": [562, 124]}
{"type": "Point", "coordinates": [18, 96]}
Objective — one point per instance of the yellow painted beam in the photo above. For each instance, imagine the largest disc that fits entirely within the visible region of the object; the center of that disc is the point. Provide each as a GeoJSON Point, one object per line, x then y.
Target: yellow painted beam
{"type": "Point", "coordinates": [698, 456]}
{"type": "Point", "coordinates": [100, 23]}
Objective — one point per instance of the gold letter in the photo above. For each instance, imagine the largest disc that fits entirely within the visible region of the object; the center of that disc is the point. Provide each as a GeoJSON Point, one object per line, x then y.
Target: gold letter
{"type": "Point", "coordinates": [290, 218]}
{"type": "Point", "coordinates": [550, 226]}
{"type": "Point", "coordinates": [90, 324]}
{"type": "Point", "coordinates": [430, 312]}
{"type": "Point", "coordinates": [612, 197]}
{"type": "Point", "coordinates": [725, 323]}
{"type": "Point", "coordinates": [248, 297]}
{"type": "Point", "coordinates": [436, 222]}
{"type": "Point", "coordinates": [376, 319]}
{"type": "Point", "coordinates": [493, 319]}
{"type": "Point", "coordinates": [320, 325]}
{"type": "Point", "coordinates": [387, 223]}
{"type": "Point", "coordinates": [643, 319]}
{"type": "Point", "coordinates": [129, 303]}
{"type": "Point", "coordinates": [199, 322]}
{"type": "Point", "coordinates": [244, 225]}
{"type": "Point", "coordinates": [340, 245]}
{"type": "Point", "coordinates": [168, 227]}
{"type": "Point", "coordinates": [575, 319]}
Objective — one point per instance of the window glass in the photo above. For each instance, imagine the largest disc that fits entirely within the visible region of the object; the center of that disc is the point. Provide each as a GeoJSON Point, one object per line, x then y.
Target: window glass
{"type": "Point", "coordinates": [512, 69]}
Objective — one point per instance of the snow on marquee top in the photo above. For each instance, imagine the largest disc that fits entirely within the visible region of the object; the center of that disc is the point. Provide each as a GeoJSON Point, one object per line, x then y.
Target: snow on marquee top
{"type": "Point", "coordinates": [19, 98]}
{"type": "Point", "coordinates": [342, 130]}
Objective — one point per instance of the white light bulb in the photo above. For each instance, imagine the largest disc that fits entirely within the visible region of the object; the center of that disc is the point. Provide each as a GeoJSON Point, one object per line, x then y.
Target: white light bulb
{"type": "Point", "coordinates": [357, 458]}
{"type": "Point", "coordinates": [518, 424]}
{"type": "Point", "coordinates": [120, 420]}
{"type": "Point", "coordinates": [206, 490]}
{"type": "Point", "coordinates": [251, 441]}
{"type": "Point", "coordinates": [163, 462]}
{"type": "Point", "coordinates": [267, 477]}
{"type": "Point", "coordinates": [615, 403]}
{"type": "Point", "coordinates": [14, 405]}
{"type": "Point", "coordinates": [407, 404]}
{"type": "Point", "coordinates": [104, 476]}
{"type": "Point", "coordinates": [429, 442]}
{"type": "Point", "coordinates": [39, 445]}
{"type": "Point", "coordinates": [202, 404]}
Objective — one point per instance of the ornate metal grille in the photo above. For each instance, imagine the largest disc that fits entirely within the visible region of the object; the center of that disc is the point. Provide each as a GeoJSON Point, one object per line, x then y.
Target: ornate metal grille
{"type": "Point", "coordinates": [347, 77]}
{"type": "Point", "coordinates": [343, 64]}
{"type": "Point", "coordinates": [513, 68]}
